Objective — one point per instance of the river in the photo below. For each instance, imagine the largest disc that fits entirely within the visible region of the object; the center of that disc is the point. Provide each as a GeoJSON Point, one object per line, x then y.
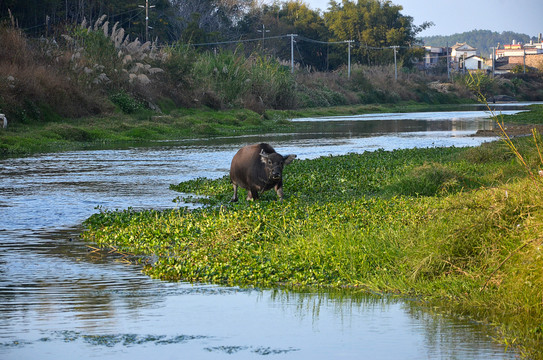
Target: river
{"type": "Point", "coordinates": [61, 299]}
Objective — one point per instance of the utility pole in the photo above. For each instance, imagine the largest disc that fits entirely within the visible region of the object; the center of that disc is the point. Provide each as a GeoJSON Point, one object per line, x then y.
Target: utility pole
{"type": "Point", "coordinates": [395, 47]}
{"type": "Point", "coordinates": [448, 63]}
{"type": "Point", "coordinates": [263, 31]}
{"type": "Point", "coordinates": [524, 59]}
{"type": "Point", "coordinates": [493, 60]}
{"type": "Point", "coordinates": [146, 18]}
{"type": "Point", "coordinates": [292, 51]}
{"type": "Point", "coordinates": [349, 42]}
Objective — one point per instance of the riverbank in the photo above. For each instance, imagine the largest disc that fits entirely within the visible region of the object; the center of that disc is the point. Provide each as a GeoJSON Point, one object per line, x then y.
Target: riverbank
{"type": "Point", "coordinates": [178, 124]}
{"type": "Point", "coordinates": [457, 228]}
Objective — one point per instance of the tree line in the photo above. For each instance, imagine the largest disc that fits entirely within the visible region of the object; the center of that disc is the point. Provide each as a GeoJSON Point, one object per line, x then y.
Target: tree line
{"type": "Point", "coordinates": [371, 24]}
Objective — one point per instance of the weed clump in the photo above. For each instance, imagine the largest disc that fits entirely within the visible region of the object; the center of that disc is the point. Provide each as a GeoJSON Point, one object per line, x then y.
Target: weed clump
{"type": "Point", "coordinates": [126, 102]}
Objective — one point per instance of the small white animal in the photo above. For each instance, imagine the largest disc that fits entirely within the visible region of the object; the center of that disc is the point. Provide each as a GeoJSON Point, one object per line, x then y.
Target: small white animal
{"type": "Point", "coordinates": [5, 121]}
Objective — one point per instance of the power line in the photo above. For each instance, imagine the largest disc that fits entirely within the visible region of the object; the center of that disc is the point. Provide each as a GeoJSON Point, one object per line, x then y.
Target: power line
{"type": "Point", "coordinates": [303, 38]}
{"type": "Point", "coordinates": [111, 16]}
{"type": "Point", "coordinates": [349, 43]}
{"type": "Point", "coordinates": [237, 41]}
{"type": "Point", "coordinates": [124, 12]}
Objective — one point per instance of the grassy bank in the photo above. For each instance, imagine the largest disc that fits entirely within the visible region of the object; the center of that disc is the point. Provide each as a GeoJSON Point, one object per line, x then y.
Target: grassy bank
{"type": "Point", "coordinates": [116, 129]}
{"type": "Point", "coordinates": [460, 226]}
{"type": "Point", "coordinates": [533, 116]}
{"type": "Point", "coordinates": [177, 124]}
{"type": "Point", "coordinates": [173, 124]}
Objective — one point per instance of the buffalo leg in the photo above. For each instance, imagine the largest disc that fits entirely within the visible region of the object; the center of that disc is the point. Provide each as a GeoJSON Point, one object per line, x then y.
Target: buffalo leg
{"type": "Point", "coordinates": [279, 191]}
{"type": "Point", "coordinates": [252, 194]}
{"type": "Point", "coordinates": [235, 197]}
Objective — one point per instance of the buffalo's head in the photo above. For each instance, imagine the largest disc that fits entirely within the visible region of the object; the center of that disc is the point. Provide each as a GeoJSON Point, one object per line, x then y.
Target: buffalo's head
{"type": "Point", "coordinates": [274, 163]}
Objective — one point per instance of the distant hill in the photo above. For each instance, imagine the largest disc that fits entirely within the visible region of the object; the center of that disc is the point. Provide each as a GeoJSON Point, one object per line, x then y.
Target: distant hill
{"type": "Point", "coordinates": [483, 40]}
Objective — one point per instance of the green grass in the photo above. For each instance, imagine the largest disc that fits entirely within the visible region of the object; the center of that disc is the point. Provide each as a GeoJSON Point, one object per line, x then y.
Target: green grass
{"type": "Point", "coordinates": [534, 116]}
{"type": "Point", "coordinates": [460, 226]}
{"type": "Point", "coordinates": [142, 126]}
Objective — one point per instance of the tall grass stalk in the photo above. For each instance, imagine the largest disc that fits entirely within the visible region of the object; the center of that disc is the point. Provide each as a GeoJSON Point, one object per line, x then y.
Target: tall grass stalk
{"type": "Point", "coordinates": [475, 83]}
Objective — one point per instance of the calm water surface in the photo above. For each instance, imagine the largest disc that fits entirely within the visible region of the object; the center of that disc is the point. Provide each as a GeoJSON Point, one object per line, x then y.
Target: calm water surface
{"type": "Point", "coordinates": [61, 300]}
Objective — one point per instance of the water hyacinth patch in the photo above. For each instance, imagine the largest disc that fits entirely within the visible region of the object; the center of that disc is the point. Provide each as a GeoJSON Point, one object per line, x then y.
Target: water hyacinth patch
{"type": "Point", "coordinates": [458, 224]}
{"type": "Point", "coordinates": [263, 243]}
{"type": "Point", "coordinates": [346, 221]}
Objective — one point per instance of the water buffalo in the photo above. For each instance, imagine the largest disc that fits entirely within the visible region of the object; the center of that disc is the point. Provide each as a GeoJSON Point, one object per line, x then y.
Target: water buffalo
{"type": "Point", "coordinates": [258, 168]}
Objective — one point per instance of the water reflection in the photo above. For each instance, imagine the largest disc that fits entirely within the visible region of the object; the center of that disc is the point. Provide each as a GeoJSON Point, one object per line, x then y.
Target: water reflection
{"type": "Point", "coordinates": [378, 321]}
{"type": "Point", "coordinates": [415, 116]}
{"type": "Point", "coordinates": [60, 299]}
{"type": "Point", "coordinates": [134, 316]}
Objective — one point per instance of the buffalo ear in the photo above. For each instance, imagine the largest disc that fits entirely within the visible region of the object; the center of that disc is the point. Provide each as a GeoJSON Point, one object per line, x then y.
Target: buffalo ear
{"type": "Point", "coordinates": [264, 157]}
{"type": "Point", "coordinates": [288, 158]}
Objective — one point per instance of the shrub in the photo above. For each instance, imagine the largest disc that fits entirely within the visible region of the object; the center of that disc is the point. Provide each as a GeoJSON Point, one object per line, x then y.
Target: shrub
{"type": "Point", "coordinates": [126, 102]}
{"type": "Point", "coordinates": [179, 64]}
{"type": "Point", "coordinates": [225, 74]}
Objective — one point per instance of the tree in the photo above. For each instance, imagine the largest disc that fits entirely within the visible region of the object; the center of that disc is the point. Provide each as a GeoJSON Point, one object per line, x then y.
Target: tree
{"type": "Point", "coordinates": [43, 17]}
{"type": "Point", "coordinates": [375, 26]}
{"type": "Point", "coordinates": [194, 34]}
{"type": "Point", "coordinates": [289, 17]}
{"type": "Point", "coordinates": [214, 16]}
{"type": "Point", "coordinates": [310, 26]}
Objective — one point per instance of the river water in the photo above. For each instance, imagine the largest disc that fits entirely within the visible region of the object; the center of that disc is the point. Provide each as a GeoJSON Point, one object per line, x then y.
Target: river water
{"type": "Point", "coordinates": [60, 299]}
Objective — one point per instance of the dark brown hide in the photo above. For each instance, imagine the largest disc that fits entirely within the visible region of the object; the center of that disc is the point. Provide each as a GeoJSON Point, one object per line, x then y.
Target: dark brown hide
{"type": "Point", "coordinates": [258, 168]}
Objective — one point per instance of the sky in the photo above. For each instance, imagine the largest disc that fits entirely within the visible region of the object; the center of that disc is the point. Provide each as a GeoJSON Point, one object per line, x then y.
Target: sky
{"type": "Point", "coordinates": [457, 16]}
